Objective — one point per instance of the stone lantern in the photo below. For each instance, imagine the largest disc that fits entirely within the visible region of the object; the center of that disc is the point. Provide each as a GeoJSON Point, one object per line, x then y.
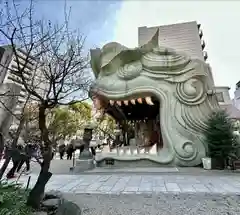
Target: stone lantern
{"type": "Point", "coordinates": [87, 137]}
{"type": "Point", "coordinates": [85, 160]}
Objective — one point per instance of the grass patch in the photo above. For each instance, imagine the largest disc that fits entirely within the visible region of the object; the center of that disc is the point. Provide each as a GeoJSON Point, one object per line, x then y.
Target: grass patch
{"type": "Point", "coordinates": [13, 199]}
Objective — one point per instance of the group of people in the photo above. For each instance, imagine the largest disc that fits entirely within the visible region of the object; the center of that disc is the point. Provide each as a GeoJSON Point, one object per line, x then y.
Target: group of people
{"type": "Point", "coordinates": [69, 149]}
{"type": "Point", "coordinates": [22, 154]}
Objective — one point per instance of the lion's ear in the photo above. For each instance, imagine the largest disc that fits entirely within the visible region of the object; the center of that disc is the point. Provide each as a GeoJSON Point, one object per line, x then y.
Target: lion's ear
{"type": "Point", "coordinates": [95, 61]}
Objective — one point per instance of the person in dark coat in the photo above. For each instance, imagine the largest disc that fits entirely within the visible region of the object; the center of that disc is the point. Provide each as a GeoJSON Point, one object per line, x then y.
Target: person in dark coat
{"type": "Point", "coordinates": [70, 150]}
{"type": "Point", "coordinates": [26, 158]}
{"type": "Point", "coordinates": [53, 153]}
{"type": "Point", "coordinates": [17, 154]}
{"type": "Point", "coordinates": [62, 149]}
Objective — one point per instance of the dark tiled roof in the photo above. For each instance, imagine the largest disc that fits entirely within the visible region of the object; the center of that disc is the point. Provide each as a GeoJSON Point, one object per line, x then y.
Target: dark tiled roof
{"type": "Point", "coordinates": [233, 112]}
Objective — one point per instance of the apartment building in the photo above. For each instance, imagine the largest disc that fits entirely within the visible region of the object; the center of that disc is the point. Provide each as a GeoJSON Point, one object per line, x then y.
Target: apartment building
{"type": "Point", "coordinates": [9, 73]}
{"type": "Point", "coordinates": [184, 37]}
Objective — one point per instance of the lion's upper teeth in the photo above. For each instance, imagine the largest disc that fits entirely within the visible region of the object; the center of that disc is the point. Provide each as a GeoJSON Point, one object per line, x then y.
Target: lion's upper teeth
{"type": "Point", "coordinates": [149, 101]}
{"type": "Point", "coordinates": [133, 101]}
{"type": "Point", "coordinates": [111, 102]}
{"type": "Point", "coordinates": [139, 100]}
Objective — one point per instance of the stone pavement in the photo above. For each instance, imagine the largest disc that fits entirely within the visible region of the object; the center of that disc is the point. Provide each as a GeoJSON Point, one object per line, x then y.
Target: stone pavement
{"type": "Point", "coordinates": [137, 184]}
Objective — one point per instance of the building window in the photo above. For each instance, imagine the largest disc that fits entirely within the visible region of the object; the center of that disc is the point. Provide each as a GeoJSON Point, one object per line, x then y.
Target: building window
{"type": "Point", "coordinates": [220, 97]}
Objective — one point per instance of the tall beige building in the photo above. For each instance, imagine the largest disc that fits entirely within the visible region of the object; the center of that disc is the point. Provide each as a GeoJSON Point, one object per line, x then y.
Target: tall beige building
{"type": "Point", "coordinates": [186, 37]}
{"type": "Point", "coordinates": [9, 73]}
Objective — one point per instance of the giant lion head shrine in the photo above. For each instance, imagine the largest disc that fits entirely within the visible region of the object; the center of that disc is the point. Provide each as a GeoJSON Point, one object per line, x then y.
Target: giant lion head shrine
{"type": "Point", "coordinates": [166, 95]}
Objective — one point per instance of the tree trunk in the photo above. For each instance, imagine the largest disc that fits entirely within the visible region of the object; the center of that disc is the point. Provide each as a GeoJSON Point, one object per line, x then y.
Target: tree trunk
{"type": "Point", "coordinates": [1, 146]}
{"type": "Point", "coordinates": [37, 193]}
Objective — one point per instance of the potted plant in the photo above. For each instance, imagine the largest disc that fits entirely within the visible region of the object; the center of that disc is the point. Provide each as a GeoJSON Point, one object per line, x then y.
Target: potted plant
{"type": "Point", "coordinates": [220, 140]}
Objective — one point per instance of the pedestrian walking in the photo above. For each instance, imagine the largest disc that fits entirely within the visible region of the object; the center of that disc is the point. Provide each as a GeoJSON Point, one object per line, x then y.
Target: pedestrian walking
{"type": "Point", "coordinates": [62, 149]}
{"type": "Point", "coordinates": [26, 158]}
{"type": "Point", "coordinates": [70, 150]}
{"type": "Point", "coordinates": [53, 153]}
{"type": "Point", "coordinates": [16, 158]}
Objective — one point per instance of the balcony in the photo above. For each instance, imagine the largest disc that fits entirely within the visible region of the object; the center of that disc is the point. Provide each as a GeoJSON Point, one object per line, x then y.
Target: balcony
{"type": "Point", "coordinates": [205, 55]}
{"type": "Point", "coordinates": [203, 44]}
{"type": "Point", "coordinates": [22, 54]}
{"type": "Point", "coordinates": [15, 80]}
{"type": "Point", "coordinates": [23, 89]}
{"type": "Point", "coordinates": [19, 105]}
{"type": "Point", "coordinates": [15, 73]}
{"type": "Point", "coordinates": [237, 85]}
{"type": "Point", "coordinates": [200, 33]}
{"type": "Point", "coordinates": [27, 69]}
{"type": "Point", "coordinates": [21, 99]}
{"type": "Point", "coordinates": [23, 94]}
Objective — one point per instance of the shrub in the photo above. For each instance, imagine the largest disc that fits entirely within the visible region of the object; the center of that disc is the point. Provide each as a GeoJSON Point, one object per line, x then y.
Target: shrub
{"type": "Point", "coordinates": [13, 199]}
{"type": "Point", "coordinates": [219, 135]}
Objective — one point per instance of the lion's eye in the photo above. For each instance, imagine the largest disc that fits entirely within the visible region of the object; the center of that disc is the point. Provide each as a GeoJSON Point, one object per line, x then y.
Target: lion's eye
{"type": "Point", "coordinates": [130, 71]}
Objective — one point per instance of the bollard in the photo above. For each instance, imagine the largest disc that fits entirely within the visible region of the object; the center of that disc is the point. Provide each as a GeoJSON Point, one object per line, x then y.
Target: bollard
{"type": "Point", "coordinates": [28, 182]}
{"type": "Point", "coordinates": [73, 164]}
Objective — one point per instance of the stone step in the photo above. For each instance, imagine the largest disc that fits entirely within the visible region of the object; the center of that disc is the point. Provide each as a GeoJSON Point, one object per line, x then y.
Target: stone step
{"type": "Point", "coordinates": [130, 150]}
{"type": "Point", "coordinates": [135, 170]}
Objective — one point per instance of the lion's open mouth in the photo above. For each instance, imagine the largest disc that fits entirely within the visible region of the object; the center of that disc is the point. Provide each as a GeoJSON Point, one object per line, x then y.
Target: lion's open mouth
{"type": "Point", "coordinates": [134, 108]}
{"type": "Point", "coordinates": [143, 112]}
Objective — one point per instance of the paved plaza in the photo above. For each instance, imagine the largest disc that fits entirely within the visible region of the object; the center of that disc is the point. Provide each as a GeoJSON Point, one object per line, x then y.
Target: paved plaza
{"type": "Point", "coordinates": [129, 183]}
{"type": "Point", "coordinates": [131, 194]}
{"type": "Point", "coordinates": [155, 180]}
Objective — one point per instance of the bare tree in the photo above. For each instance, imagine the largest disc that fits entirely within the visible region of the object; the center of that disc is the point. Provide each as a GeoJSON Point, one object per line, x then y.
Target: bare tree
{"type": "Point", "coordinates": [61, 75]}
